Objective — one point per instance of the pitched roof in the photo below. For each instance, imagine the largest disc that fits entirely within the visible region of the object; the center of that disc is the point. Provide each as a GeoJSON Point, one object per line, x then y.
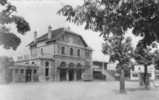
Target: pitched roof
{"type": "Point", "coordinates": [55, 35]}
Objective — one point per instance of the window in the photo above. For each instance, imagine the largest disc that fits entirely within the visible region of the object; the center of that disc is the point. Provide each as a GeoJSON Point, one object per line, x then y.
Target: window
{"type": "Point", "coordinates": [79, 65]}
{"type": "Point", "coordinates": [133, 68]}
{"type": "Point", "coordinates": [78, 52]}
{"type": "Point", "coordinates": [63, 50]}
{"type": "Point", "coordinates": [70, 40]}
{"type": "Point", "coordinates": [42, 52]}
{"type": "Point", "coordinates": [33, 63]}
{"type": "Point", "coordinates": [105, 66]}
{"type": "Point", "coordinates": [46, 64]}
{"type": "Point", "coordinates": [63, 38]}
{"type": "Point", "coordinates": [135, 75]}
{"type": "Point", "coordinates": [87, 54]}
{"type": "Point", "coordinates": [46, 71]}
{"type": "Point", "coordinates": [35, 71]}
{"type": "Point", "coordinates": [22, 70]}
{"type": "Point", "coordinates": [71, 51]}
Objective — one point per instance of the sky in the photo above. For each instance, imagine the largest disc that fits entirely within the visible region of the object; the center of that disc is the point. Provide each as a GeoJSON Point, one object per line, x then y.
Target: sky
{"type": "Point", "coordinates": [42, 13]}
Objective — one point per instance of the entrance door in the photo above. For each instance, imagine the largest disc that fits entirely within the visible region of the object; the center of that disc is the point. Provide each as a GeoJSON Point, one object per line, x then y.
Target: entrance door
{"type": "Point", "coordinates": [62, 74]}
{"type": "Point", "coordinates": [28, 75]}
{"type": "Point", "coordinates": [71, 75]}
{"type": "Point", "coordinates": [79, 74]}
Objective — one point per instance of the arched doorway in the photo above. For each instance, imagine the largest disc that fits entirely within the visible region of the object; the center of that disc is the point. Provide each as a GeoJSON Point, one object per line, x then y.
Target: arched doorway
{"type": "Point", "coordinates": [71, 72]}
{"type": "Point", "coordinates": [62, 71]}
{"type": "Point", "coordinates": [28, 75]}
{"type": "Point", "coordinates": [47, 70]}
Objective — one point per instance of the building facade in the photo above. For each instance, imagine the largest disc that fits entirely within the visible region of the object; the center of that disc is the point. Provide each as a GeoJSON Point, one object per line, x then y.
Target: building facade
{"type": "Point", "coordinates": [99, 69]}
{"type": "Point", "coordinates": [58, 55]}
{"type": "Point", "coordinates": [138, 70]}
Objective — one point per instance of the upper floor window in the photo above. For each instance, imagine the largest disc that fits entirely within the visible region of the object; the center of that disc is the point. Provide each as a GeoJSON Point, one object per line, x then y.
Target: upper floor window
{"type": "Point", "coordinates": [63, 64]}
{"type": "Point", "coordinates": [63, 50]}
{"type": "Point", "coordinates": [79, 65]}
{"type": "Point", "coordinates": [105, 66]}
{"type": "Point", "coordinates": [70, 39]}
{"type": "Point", "coordinates": [63, 38]}
{"type": "Point", "coordinates": [71, 51]}
{"type": "Point", "coordinates": [133, 68]}
{"type": "Point", "coordinates": [26, 62]}
{"type": "Point", "coordinates": [22, 70]}
{"type": "Point", "coordinates": [42, 52]}
{"type": "Point", "coordinates": [87, 54]}
{"type": "Point", "coordinates": [78, 52]}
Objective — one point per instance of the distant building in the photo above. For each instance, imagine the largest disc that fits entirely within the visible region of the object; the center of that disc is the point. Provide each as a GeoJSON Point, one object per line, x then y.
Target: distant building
{"type": "Point", "coordinates": [99, 68]}
{"type": "Point", "coordinates": [101, 71]}
{"type": "Point", "coordinates": [139, 69]}
{"type": "Point", "coordinates": [58, 55]}
{"type": "Point", "coordinates": [111, 66]}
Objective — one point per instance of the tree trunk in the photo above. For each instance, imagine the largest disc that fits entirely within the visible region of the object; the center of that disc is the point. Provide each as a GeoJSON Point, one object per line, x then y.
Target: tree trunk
{"type": "Point", "coordinates": [141, 83]}
{"type": "Point", "coordinates": [122, 81]}
{"type": "Point", "coordinates": [146, 77]}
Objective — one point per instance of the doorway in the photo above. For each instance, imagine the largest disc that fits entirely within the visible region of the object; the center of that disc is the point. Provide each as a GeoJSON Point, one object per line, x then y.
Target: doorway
{"type": "Point", "coordinates": [62, 75]}
{"type": "Point", "coordinates": [71, 75]}
{"type": "Point", "coordinates": [28, 75]}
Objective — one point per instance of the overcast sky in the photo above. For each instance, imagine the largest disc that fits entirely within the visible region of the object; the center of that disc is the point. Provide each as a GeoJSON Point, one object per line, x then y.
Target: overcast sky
{"type": "Point", "coordinates": [40, 14]}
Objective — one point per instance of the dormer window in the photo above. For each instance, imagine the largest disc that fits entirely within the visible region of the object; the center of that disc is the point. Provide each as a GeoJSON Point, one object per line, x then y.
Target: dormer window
{"type": "Point", "coordinates": [70, 40]}
{"type": "Point", "coordinates": [71, 51]}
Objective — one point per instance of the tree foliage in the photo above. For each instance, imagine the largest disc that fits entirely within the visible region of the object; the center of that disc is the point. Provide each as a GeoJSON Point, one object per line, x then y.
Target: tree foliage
{"type": "Point", "coordinates": [5, 62]}
{"type": "Point", "coordinates": [119, 49]}
{"type": "Point", "coordinates": [7, 16]}
{"type": "Point", "coordinates": [144, 56]}
{"type": "Point", "coordinates": [116, 16]}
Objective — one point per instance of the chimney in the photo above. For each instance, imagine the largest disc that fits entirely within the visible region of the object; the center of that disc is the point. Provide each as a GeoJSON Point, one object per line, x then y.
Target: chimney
{"type": "Point", "coordinates": [49, 31]}
{"type": "Point", "coordinates": [35, 36]}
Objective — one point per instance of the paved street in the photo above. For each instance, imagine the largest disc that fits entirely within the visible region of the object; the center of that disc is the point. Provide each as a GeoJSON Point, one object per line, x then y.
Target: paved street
{"type": "Point", "coordinates": [76, 91]}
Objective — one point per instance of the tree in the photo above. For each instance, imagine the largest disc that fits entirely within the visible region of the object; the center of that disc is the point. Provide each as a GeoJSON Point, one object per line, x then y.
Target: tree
{"type": "Point", "coordinates": [7, 16]}
{"type": "Point", "coordinates": [120, 50]}
{"type": "Point", "coordinates": [5, 63]}
{"type": "Point", "coordinates": [117, 16]}
{"type": "Point", "coordinates": [145, 57]}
